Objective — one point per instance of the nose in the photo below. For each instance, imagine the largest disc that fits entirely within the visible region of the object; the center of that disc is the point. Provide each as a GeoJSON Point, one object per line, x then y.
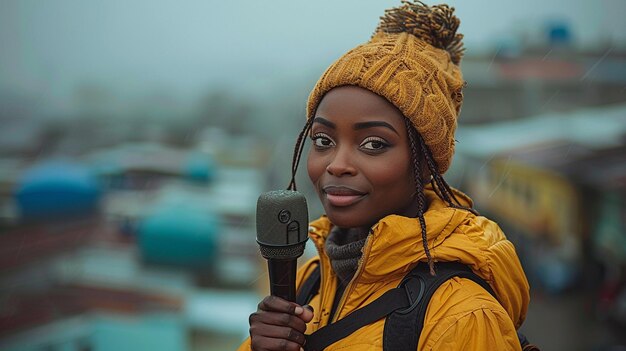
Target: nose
{"type": "Point", "coordinates": [341, 163]}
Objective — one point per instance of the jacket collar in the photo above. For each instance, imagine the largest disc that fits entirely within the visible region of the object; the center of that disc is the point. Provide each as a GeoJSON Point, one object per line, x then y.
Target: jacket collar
{"type": "Point", "coordinates": [395, 242]}
{"type": "Point", "coordinates": [395, 245]}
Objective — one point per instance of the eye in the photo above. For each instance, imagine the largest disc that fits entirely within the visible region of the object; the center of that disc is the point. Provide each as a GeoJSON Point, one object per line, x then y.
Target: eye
{"type": "Point", "coordinates": [322, 141]}
{"type": "Point", "coordinates": [374, 144]}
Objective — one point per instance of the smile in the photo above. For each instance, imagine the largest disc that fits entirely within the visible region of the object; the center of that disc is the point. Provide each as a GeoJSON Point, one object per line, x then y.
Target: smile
{"type": "Point", "coordinates": [341, 196]}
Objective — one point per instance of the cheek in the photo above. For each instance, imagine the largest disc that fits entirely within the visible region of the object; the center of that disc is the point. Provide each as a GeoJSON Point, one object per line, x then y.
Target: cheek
{"type": "Point", "coordinates": [314, 167]}
{"type": "Point", "coordinates": [395, 177]}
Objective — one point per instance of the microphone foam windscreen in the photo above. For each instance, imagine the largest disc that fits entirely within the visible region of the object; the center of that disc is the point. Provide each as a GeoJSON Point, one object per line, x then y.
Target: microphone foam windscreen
{"type": "Point", "coordinates": [282, 223]}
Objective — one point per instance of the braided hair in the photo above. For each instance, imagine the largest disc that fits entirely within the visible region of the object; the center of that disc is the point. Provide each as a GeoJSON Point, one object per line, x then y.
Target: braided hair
{"type": "Point", "coordinates": [297, 153]}
{"type": "Point", "coordinates": [419, 150]}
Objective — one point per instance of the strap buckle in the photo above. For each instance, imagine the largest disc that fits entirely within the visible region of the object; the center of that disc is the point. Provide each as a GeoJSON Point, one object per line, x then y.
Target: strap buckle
{"type": "Point", "coordinates": [414, 287]}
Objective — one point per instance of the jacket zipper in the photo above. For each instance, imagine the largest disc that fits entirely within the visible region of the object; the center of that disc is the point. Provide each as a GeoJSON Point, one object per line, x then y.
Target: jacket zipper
{"type": "Point", "coordinates": [347, 290]}
{"type": "Point", "coordinates": [323, 294]}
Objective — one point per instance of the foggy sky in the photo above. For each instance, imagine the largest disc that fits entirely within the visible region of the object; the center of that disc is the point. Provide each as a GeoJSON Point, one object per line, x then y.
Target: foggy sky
{"type": "Point", "coordinates": [48, 47]}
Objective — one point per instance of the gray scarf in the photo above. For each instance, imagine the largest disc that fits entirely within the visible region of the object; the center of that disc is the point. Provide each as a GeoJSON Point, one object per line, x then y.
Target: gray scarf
{"type": "Point", "coordinates": [344, 248]}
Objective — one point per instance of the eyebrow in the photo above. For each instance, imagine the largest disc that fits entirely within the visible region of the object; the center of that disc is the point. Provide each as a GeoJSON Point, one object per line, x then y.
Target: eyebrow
{"type": "Point", "coordinates": [370, 124]}
{"type": "Point", "coordinates": [325, 122]}
{"type": "Point", "coordinates": [357, 126]}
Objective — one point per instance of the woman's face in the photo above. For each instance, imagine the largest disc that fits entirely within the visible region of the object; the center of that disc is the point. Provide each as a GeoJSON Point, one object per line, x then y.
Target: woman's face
{"type": "Point", "coordinates": [360, 161]}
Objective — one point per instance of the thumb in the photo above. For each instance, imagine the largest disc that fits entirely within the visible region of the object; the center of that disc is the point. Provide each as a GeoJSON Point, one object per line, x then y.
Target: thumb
{"type": "Point", "coordinates": [307, 313]}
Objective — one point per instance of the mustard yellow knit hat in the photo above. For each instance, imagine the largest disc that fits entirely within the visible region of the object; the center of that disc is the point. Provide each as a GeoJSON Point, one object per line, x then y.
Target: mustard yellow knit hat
{"type": "Point", "coordinates": [412, 60]}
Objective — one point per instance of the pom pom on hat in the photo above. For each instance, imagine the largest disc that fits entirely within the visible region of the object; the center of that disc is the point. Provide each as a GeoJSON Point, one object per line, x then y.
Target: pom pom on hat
{"type": "Point", "coordinates": [412, 61]}
{"type": "Point", "coordinates": [435, 25]}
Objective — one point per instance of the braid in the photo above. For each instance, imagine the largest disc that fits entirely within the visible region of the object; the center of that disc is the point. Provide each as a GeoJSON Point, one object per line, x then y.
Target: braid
{"type": "Point", "coordinates": [440, 185]}
{"type": "Point", "coordinates": [297, 153]}
{"type": "Point", "coordinates": [437, 180]}
{"type": "Point", "coordinates": [421, 202]}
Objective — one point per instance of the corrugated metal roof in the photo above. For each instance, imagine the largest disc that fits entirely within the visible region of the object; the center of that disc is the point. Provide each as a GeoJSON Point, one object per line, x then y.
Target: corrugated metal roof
{"type": "Point", "coordinates": [599, 127]}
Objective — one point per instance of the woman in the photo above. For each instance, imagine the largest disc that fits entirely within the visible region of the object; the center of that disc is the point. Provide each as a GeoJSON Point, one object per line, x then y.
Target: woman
{"type": "Point", "coordinates": [382, 121]}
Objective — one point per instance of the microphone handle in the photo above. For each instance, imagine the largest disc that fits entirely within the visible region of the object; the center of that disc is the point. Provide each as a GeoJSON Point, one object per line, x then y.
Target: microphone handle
{"type": "Point", "coordinates": [283, 278]}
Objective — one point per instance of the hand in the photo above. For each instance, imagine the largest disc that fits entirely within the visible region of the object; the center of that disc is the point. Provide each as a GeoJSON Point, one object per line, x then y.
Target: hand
{"type": "Point", "coordinates": [279, 325]}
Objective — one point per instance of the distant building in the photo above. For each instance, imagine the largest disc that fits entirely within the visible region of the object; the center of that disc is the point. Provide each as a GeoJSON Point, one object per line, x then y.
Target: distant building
{"type": "Point", "coordinates": [554, 180]}
{"type": "Point", "coordinates": [531, 81]}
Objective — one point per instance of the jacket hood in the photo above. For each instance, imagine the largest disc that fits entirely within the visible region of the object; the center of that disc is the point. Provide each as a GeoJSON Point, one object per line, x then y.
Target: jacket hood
{"type": "Point", "coordinates": [454, 235]}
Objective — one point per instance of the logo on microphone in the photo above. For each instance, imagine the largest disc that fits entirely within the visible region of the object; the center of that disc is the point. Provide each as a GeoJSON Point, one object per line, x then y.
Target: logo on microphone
{"type": "Point", "coordinates": [284, 216]}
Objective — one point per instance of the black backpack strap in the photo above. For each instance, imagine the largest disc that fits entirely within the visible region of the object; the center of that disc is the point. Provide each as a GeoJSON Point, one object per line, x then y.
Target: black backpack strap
{"type": "Point", "coordinates": [403, 327]}
{"type": "Point", "coordinates": [310, 287]}
{"type": "Point", "coordinates": [390, 301]}
{"type": "Point", "coordinates": [404, 306]}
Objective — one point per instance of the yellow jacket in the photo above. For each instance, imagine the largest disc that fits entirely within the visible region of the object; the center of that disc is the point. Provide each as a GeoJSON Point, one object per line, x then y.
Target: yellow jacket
{"type": "Point", "coordinates": [461, 314]}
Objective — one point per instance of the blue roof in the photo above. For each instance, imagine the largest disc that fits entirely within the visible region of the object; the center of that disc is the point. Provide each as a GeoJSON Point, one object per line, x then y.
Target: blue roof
{"type": "Point", "coordinates": [179, 235]}
{"type": "Point", "coordinates": [57, 187]}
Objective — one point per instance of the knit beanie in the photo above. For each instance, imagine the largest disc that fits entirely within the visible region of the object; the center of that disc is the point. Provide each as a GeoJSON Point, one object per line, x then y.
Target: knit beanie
{"type": "Point", "coordinates": [412, 60]}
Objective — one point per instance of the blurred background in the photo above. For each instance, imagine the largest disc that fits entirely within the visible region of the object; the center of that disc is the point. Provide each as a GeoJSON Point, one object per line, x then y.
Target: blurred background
{"type": "Point", "coordinates": [135, 138]}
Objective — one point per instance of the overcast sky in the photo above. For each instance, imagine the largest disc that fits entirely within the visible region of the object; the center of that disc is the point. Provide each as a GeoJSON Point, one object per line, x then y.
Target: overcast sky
{"type": "Point", "coordinates": [186, 46]}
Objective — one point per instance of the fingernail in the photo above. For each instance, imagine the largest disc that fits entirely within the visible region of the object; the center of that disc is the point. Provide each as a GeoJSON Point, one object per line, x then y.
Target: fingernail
{"type": "Point", "coordinates": [301, 349]}
{"type": "Point", "coordinates": [298, 310]}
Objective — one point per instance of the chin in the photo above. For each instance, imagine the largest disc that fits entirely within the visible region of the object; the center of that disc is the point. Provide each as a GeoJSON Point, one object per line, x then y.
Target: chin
{"type": "Point", "coordinates": [346, 220]}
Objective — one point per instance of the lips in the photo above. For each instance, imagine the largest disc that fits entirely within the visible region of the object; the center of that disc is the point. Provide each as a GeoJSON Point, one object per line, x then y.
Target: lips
{"type": "Point", "coordinates": [342, 196]}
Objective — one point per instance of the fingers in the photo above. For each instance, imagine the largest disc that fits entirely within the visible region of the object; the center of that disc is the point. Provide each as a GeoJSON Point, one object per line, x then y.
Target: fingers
{"type": "Point", "coordinates": [272, 331]}
{"type": "Point", "coordinates": [279, 325]}
{"type": "Point", "coordinates": [278, 319]}
{"type": "Point", "coordinates": [267, 344]}
{"type": "Point", "coordinates": [276, 304]}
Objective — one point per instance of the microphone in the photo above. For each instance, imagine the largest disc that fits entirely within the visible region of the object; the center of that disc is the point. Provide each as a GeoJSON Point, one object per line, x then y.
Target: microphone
{"type": "Point", "coordinates": [282, 223]}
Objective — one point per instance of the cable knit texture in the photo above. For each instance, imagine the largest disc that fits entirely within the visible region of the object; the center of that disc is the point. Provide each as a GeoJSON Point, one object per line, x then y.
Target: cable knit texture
{"type": "Point", "coordinates": [412, 61]}
{"type": "Point", "coordinates": [344, 247]}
